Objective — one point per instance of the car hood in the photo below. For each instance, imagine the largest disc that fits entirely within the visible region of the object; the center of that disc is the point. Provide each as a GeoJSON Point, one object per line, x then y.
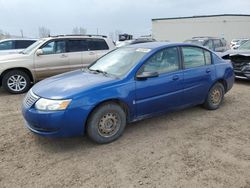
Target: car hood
{"type": "Point", "coordinates": [12, 57]}
{"type": "Point", "coordinates": [69, 84]}
{"type": "Point", "coordinates": [234, 52]}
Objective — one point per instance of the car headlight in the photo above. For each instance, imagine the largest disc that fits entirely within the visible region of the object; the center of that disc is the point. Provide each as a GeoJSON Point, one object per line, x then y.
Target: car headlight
{"type": "Point", "coordinates": [51, 105]}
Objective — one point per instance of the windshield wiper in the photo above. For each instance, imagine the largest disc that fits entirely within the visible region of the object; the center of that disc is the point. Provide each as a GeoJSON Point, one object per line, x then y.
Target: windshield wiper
{"type": "Point", "coordinates": [98, 71]}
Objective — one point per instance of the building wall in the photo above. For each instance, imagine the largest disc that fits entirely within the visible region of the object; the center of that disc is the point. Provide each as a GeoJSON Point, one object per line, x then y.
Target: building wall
{"type": "Point", "coordinates": [178, 30]}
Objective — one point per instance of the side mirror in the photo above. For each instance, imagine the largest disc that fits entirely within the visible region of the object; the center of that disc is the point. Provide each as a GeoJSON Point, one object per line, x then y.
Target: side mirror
{"type": "Point", "coordinates": [146, 75]}
{"type": "Point", "coordinates": [39, 52]}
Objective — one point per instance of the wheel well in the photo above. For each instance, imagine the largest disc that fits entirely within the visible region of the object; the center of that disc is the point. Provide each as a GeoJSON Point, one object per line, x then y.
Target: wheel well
{"type": "Point", "coordinates": [123, 105]}
{"type": "Point", "coordinates": [224, 83]}
{"type": "Point", "coordinates": [27, 71]}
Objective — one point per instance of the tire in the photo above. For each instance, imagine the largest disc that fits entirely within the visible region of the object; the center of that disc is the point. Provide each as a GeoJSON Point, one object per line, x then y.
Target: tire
{"type": "Point", "coordinates": [16, 82]}
{"type": "Point", "coordinates": [215, 97]}
{"type": "Point", "coordinates": [106, 123]}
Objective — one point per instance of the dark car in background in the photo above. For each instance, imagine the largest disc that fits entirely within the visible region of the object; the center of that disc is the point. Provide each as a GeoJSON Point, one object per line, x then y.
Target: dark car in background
{"type": "Point", "coordinates": [213, 43]}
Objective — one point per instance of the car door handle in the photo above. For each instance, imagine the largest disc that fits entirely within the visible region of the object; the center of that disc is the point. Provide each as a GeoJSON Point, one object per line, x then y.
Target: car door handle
{"type": "Point", "coordinates": [63, 56]}
{"type": "Point", "coordinates": [208, 71]}
{"type": "Point", "coordinates": [175, 77]}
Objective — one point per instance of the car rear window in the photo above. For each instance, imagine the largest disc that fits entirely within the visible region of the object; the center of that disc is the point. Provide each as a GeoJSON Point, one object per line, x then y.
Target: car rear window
{"type": "Point", "coordinates": [97, 44]}
{"type": "Point", "coordinates": [22, 44]}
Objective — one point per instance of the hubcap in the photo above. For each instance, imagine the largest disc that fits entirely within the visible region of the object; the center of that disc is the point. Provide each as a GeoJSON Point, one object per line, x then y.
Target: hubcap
{"type": "Point", "coordinates": [216, 96]}
{"type": "Point", "coordinates": [16, 82]}
{"type": "Point", "coordinates": [109, 124]}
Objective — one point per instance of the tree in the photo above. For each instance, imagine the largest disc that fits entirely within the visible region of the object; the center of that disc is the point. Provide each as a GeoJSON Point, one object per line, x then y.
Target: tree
{"type": "Point", "coordinates": [79, 31]}
{"type": "Point", "coordinates": [43, 32]}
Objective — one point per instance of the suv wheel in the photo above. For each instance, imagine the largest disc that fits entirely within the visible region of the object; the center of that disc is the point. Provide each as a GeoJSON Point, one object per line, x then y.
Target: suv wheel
{"type": "Point", "coordinates": [215, 97]}
{"type": "Point", "coordinates": [106, 123]}
{"type": "Point", "coordinates": [16, 82]}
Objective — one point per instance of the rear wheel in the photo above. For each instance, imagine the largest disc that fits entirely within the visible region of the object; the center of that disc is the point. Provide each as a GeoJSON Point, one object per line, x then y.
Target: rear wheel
{"type": "Point", "coordinates": [16, 82]}
{"type": "Point", "coordinates": [215, 97]}
{"type": "Point", "coordinates": [106, 123]}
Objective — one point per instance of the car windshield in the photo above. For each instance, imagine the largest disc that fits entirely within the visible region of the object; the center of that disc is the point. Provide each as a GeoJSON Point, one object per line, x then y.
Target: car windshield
{"type": "Point", "coordinates": [245, 46]}
{"type": "Point", "coordinates": [119, 62]}
{"type": "Point", "coordinates": [197, 42]}
{"type": "Point", "coordinates": [33, 46]}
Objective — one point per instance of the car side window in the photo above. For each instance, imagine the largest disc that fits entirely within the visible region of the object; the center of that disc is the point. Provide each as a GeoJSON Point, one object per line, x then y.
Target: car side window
{"type": "Point", "coordinates": [21, 44]}
{"type": "Point", "coordinates": [77, 45]}
{"type": "Point", "coordinates": [7, 45]}
{"type": "Point", "coordinates": [217, 43]}
{"type": "Point", "coordinates": [54, 47]}
{"type": "Point", "coordinates": [209, 44]}
{"type": "Point", "coordinates": [164, 61]}
{"type": "Point", "coordinates": [97, 44]}
{"type": "Point", "coordinates": [193, 57]}
{"type": "Point", "coordinates": [208, 57]}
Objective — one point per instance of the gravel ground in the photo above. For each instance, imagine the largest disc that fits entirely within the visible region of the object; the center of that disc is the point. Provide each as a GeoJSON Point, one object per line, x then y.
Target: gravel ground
{"type": "Point", "coordinates": [189, 148]}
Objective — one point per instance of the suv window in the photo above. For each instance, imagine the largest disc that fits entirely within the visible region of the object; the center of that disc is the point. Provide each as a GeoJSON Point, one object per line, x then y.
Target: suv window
{"type": "Point", "coordinates": [97, 44]}
{"type": "Point", "coordinates": [164, 61]}
{"type": "Point", "coordinates": [7, 45]}
{"type": "Point", "coordinates": [21, 44]}
{"type": "Point", "coordinates": [195, 57]}
{"type": "Point", "coordinates": [54, 47]}
{"type": "Point", "coordinates": [77, 45]}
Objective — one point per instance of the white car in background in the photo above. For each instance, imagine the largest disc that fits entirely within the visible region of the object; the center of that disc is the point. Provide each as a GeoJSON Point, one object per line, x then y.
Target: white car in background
{"type": "Point", "coordinates": [14, 46]}
{"type": "Point", "coordinates": [235, 43]}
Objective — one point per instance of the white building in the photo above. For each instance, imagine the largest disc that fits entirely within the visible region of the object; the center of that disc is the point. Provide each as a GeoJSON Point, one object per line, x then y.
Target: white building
{"type": "Point", "coordinates": [228, 26]}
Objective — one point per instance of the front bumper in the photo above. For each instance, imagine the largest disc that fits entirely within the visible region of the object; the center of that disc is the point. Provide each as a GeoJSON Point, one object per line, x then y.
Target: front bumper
{"type": "Point", "coordinates": [68, 123]}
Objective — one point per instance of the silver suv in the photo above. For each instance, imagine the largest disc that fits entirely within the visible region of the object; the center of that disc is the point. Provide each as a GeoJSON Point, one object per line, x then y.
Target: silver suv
{"type": "Point", "coordinates": [48, 57]}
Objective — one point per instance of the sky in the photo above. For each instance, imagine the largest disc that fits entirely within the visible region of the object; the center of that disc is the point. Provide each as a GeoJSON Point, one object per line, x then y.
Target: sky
{"type": "Point", "coordinates": [104, 16]}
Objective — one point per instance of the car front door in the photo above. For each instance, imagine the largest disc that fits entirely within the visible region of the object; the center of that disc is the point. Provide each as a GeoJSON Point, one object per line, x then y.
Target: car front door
{"type": "Point", "coordinates": [53, 60]}
{"type": "Point", "coordinates": [164, 92]}
{"type": "Point", "coordinates": [199, 73]}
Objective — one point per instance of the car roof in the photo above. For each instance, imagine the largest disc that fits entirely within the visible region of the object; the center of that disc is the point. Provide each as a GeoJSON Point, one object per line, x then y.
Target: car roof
{"type": "Point", "coordinates": [77, 36]}
{"type": "Point", "coordinates": [10, 39]}
{"type": "Point", "coordinates": [155, 45]}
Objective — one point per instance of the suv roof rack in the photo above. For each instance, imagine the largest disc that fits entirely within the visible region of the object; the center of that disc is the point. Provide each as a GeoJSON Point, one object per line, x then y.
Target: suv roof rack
{"type": "Point", "coordinates": [87, 35]}
{"type": "Point", "coordinates": [209, 37]}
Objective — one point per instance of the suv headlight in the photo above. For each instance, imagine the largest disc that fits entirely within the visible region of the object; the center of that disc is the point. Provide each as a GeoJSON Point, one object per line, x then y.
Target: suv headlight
{"type": "Point", "coordinates": [51, 105]}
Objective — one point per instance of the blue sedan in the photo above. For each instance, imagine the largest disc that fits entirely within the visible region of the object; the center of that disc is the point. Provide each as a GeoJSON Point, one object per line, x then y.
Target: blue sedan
{"type": "Point", "coordinates": [126, 85]}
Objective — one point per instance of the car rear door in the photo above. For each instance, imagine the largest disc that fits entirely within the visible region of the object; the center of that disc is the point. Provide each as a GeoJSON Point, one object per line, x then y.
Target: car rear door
{"type": "Point", "coordinates": [162, 93]}
{"type": "Point", "coordinates": [53, 61]}
{"type": "Point", "coordinates": [199, 73]}
{"type": "Point", "coordinates": [78, 53]}
{"type": "Point", "coordinates": [99, 47]}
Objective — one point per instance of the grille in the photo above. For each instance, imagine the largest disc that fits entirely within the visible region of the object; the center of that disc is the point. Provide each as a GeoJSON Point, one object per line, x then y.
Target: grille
{"type": "Point", "coordinates": [30, 99]}
{"type": "Point", "coordinates": [239, 66]}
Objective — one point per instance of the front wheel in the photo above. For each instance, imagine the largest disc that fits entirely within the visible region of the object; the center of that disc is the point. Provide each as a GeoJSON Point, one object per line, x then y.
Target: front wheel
{"type": "Point", "coordinates": [106, 123]}
{"type": "Point", "coordinates": [16, 82]}
{"type": "Point", "coordinates": [215, 97]}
